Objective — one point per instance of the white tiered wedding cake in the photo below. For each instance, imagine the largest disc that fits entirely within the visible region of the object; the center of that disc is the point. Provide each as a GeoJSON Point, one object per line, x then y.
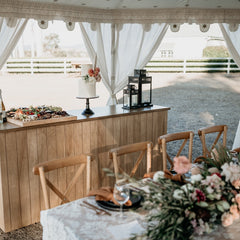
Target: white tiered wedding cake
{"type": "Point", "coordinates": [87, 82]}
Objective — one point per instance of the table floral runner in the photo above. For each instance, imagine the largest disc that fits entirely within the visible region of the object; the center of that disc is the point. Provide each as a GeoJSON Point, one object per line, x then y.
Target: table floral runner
{"type": "Point", "coordinates": [207, 199]}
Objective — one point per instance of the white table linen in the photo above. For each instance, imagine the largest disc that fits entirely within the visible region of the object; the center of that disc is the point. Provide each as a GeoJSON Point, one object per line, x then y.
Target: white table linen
{"type": "Point", "coordinates": [74, 222]}
{"type": "Point", "coordinates": [236, 142]}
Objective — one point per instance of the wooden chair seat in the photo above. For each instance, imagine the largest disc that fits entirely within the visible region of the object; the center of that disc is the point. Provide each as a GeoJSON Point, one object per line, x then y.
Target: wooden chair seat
{"type": "Point", "coordinates": [236, 150]}
{"type": "Point", "coordinates": [84, 162]}
{"type": "Point", "coordinates": [142, 147]}
{"type": "Point", "coordinates": [182, 137]}
{"type": "Point", "coordinates": [217, 130]}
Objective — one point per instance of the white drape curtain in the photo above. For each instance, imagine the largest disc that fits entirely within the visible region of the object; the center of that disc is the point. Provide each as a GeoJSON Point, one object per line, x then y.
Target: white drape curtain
{"type": "Point", "coordinates": [11, 30]}
{"type": "Point", "coordinates": [120, 49]}
{"type": "Point", "coordinates": [233, 41]}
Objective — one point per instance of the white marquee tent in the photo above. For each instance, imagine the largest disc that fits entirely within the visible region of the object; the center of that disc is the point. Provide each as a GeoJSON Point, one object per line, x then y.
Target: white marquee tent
{"type": "Point", "coordinates": [123, 34]}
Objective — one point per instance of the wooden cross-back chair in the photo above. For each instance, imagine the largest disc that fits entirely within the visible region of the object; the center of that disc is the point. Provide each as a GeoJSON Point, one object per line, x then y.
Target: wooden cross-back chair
{"type": "Point", "coordinates": [184, 137]}
{"type": "Point", "coordinates": [142, 147]}
{"type": "Point", "coordinates": [220, 130]}
{"type": "Point", "coordinates": [84, 162]}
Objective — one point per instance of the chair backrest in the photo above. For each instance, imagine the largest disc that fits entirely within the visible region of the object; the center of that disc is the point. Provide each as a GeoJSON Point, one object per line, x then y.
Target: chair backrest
{"type": "Point", "coordinates": [213, 130]}
{"type": "Point", "coordinates": [84, 162]}
{"type": "Point", "coordinates": [142, 147]}
{"type": "Point", "coordinates": [182, 137]}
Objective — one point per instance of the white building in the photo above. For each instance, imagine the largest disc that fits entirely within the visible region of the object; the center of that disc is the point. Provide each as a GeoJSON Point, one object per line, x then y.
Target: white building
{"type": "Point", "coordinates": [189, 42]}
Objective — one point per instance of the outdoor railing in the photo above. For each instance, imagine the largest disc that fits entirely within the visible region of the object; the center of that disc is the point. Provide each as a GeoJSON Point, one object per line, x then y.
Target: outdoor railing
{"type": "Point", "coordinates": [32, 66]}
{"type": "Point", "coordinates": [155, 65]}
{"type": "Point", "coordinates": [193, 65]}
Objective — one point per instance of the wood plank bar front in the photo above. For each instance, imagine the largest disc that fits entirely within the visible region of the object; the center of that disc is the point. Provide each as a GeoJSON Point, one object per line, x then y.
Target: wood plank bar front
{"type": "Point", "coordinates": [21, 148]}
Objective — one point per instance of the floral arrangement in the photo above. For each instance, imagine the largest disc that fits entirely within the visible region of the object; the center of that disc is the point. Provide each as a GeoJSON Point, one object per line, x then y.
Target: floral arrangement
{"type": "Point", "coordinates": [93, 75]}
{"type": "Point", "coordinates": [181, 209]}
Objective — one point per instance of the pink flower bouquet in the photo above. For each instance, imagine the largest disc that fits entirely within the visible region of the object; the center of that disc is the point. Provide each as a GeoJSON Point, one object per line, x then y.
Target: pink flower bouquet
{"type": "Point", "coordinates": [181, 165]}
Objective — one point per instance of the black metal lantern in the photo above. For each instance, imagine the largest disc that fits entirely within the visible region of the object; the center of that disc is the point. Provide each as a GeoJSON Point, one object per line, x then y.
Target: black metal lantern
{"type": "Point", "coordinates": [130, 97]}
{"type": "Point", "coordinates": [139, 91]}
{"type": "Point", "coordinates": [136, 82]}
{"type": "Point", "coordinates": [146, 91]}
{"type": "Point", "coordinates": [143, 84]}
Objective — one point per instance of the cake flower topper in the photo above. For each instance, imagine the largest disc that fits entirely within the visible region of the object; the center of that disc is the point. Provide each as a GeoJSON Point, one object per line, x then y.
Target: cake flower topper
{"type": "Point", "coordinates": [93, 74]}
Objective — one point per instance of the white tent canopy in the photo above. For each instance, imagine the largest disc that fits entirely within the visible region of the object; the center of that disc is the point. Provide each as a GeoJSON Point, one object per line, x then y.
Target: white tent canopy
{"type": "Point", "coordinates": [125, 11]}
{"type": "Point", "coordinates": [105, 25]}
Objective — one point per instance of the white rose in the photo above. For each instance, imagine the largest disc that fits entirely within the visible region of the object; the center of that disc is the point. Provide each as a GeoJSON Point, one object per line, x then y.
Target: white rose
{"type": "Point", "coordinates": [218, 196]}
{"type": "Point", "coordinates": [187, 187]}
{"type": "Point", "coordinates": [196, 178]}
{"type": "Point", "coordinates": [157, 175]}
{"type": "Point", "coordinates": [209, 190]}
{"type": "Point", "coordinates": [178, 194]}
{"type": "Point", "coordinates": [213, 170]}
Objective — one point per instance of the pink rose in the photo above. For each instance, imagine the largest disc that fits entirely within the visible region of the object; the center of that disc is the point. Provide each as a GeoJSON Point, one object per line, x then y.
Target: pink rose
{"type": "Point", "coordinates": [227, 219]}
{"type": "Point", "coordinates": [195, 171]}
{"type": "Point", "coordinates": [234, 212]}
{"type": "Point", "coordinates": [97, 69]}
{"type": "Point", "coordinates": [90, 72]}
{"type": "Point", "coordinates": [237, 198]}
{"type": "Point", "coordinates": [181, 164]}
{"type": "Point", "coordinates": [236, 183]}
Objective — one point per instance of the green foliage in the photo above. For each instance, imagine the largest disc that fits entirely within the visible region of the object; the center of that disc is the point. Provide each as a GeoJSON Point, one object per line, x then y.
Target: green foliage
{"type": "Point", "coordinates": [180, 210]}
{"type": "Point", "coordinates": [215, 52]}
{"type": "Point", "coordinates": [220, 156]}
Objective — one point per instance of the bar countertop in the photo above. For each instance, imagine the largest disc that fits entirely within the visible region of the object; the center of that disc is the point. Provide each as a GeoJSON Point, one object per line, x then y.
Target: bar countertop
{"type": "Point", "coordinates": [99, 113]}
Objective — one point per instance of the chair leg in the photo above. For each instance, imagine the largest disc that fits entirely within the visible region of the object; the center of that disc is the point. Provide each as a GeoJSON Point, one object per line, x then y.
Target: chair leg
{"type": "Point", "coordinates": [115, 164]}
{"type": "Point", "coordinates": [88, 185]}
{"type": "Point", "coordinates": [164, 151]}
{"type": "Point", "coordinates": [44, 187]}
{"type": "Point", "coordinates": [149, 157]}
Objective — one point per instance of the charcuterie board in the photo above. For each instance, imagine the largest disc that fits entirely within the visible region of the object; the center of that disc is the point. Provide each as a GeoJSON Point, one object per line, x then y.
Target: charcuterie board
{"type": "Point", "coordinates": [33, 116]}
{"type": "Point", "coordinates": [39, 122]}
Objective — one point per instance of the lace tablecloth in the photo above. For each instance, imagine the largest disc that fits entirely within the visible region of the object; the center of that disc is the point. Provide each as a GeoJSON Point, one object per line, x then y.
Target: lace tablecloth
{"type": "Point", "coordinates": [74, 222]}
{"type": "Point", "coordinates": [236, 143]}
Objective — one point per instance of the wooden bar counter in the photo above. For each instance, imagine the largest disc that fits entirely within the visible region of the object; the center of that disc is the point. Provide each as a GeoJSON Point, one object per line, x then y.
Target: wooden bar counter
{"type": "Point", "coordinates": [23, 147]}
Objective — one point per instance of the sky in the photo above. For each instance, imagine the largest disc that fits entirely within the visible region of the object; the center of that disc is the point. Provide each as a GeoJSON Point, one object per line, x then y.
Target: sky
{"type": "Point", "coordinates": [72, 38]}
{"type": "Point", "coordinates": [184, 41]}
{"type": "Point", "coordinates": [67, 38]}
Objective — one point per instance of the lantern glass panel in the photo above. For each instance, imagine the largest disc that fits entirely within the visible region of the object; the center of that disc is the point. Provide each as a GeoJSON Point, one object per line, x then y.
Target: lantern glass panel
{"type": "Point", "coordinates": [134, 100]}
{"type": "Point", "coordinates": [146, 93]}
{"type": "Point", "coordinates": [126, 100]}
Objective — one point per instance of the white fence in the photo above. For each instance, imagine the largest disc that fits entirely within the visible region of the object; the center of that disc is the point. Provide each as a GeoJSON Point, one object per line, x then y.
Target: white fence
{"type": "Point", "coordinates": [39, 66]}
{"type": "Point", "coordinates": [156, 65]}
{"type": "Point", "coordinates": [193, 65]}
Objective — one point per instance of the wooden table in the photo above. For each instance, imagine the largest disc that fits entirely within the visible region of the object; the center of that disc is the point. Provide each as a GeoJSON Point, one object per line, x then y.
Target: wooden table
{"type": "Point", "coordinates": [23, 147]}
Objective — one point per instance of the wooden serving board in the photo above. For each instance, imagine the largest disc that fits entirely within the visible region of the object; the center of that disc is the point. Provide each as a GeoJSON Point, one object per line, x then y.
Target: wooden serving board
{"type": "Point", "coordinates": [40, 122]}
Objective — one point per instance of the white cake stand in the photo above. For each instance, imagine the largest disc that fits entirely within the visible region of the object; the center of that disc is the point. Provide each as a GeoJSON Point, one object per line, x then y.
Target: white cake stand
{"type": "Point", "coordinates": [87, 111]}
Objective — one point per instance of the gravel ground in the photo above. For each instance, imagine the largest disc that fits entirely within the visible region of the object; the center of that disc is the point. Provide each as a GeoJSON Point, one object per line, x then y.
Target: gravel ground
{"type": "Point", "coordinates": [196, 100]}
{"type": "Point", "coordinates": [202, 100]}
